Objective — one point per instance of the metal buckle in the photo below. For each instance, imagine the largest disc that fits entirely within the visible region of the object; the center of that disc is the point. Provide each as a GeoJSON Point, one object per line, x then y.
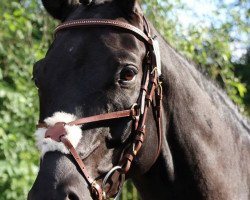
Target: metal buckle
{"type": "Point", "coordinates": [93, 188]}
{"type": "Point", "coordinates": [136, 111]}
{"type": "Point", "coordinates": [153, 70]}
{"type": "Point", "coordinates": [159, 91]}
{"type": "Point", "coordinates": [134, 150]}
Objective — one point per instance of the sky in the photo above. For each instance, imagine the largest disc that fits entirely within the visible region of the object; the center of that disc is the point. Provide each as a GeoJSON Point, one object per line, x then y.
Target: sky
{"type": "Point", "coordinates": [201, 8]}
{"type": "Point", "coordinates": [201, 11]}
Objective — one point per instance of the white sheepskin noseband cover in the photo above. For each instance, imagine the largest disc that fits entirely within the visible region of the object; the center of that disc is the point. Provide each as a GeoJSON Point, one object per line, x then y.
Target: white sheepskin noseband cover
{"type": "Point", "coordinates": [74, 134]}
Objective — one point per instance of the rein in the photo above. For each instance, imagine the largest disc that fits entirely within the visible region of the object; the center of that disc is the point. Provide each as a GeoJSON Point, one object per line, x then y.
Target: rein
{"type": "Point", "coordinates": [150, 96]}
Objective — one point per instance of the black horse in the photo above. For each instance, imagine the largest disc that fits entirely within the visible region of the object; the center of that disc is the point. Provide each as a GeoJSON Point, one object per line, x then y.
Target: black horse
{"type": "Point", "coordinates": [205, 150]}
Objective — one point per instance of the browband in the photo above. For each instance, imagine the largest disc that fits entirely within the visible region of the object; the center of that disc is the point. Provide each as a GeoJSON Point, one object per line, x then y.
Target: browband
{"type": "Point", "coordinates": [104, 22]}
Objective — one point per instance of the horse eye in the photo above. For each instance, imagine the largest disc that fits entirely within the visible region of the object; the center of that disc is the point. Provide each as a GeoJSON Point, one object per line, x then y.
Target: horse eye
{"type": "Point", "coordinates": [128, 73]}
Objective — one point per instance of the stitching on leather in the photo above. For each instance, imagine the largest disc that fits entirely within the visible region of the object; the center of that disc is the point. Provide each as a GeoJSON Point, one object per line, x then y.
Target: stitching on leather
{"type": "Point", "coordinates": [103, 23]}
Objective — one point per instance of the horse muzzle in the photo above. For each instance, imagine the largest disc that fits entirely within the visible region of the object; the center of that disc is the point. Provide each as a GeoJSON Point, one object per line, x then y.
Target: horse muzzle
{"type": "Point", "coordinates": [59, 179]}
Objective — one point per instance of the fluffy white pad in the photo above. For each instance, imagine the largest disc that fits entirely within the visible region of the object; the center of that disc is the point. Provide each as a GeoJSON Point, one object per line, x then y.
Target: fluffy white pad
{"type": "Point", "coordinates": [74, 134]}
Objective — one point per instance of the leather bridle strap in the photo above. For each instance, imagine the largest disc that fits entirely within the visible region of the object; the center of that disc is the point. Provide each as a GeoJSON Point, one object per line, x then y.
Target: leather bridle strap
{"type": "Point", "coordinates": [97, 118]}
{"type": "Point", "coordinates": [104, 117]}
{"type": "Point", "coordinates": [96, 189]}
{"type": "Point", "coordinates": [58, 133]}
{"type": "Point", "coordinates": [104, 23]}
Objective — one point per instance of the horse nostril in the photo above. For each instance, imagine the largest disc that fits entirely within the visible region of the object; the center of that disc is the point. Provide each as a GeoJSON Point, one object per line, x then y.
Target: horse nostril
{"type": "Point", "coordinates": [72, 196]}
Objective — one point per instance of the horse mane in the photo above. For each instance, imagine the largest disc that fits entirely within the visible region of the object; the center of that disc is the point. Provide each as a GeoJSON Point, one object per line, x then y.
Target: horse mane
{"type": "Point", "coordinates": [220, 98]}
{"type": "Point", "coordinates": [229, 110]}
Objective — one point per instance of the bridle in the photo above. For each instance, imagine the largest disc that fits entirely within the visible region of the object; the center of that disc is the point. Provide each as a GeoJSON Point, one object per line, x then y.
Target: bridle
{"type": "Point", "coordinates": [150, 95]}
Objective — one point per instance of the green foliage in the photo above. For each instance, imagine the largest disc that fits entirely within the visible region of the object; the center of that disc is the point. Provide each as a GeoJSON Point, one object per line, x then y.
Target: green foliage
{"type": "Point", "coordinates": [21, 44]}
{"type": "Point", "coordinates": [243, 71]}
{"type": "Point", "coordinates": [129, 192]}
{"type": "Point", "coordinates": [209, 46]}
{"type": "Point", "coordinates": [25, 34]}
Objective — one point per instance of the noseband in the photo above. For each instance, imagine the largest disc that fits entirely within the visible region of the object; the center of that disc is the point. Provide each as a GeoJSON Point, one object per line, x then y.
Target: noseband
{"type": "Point", "coordinates": [150, 96]}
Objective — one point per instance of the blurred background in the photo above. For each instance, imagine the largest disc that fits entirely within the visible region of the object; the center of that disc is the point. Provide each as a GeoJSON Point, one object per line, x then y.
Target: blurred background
{"type": "Point", "coordinates": [213, 34]}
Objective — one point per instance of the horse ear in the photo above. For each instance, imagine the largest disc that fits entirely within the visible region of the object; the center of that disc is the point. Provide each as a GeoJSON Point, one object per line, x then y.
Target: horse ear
{"type": "Point", "coordinates": [60, 9]}
{"type": "Point", "coordinates": [130, 7]}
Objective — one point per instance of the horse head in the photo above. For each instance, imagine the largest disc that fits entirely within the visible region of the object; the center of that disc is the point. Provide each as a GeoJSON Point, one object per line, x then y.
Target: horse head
{"type": "Point", "coordinates": [96, 84]}
{"type": "Point", "coordinates": [92, 71]}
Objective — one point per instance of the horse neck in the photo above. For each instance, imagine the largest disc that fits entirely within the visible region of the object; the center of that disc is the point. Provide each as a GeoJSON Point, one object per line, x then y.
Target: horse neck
{"type": "Point", "coordinates": [183, 82]}
{"type": "Point", "coordinates": [202, 130]}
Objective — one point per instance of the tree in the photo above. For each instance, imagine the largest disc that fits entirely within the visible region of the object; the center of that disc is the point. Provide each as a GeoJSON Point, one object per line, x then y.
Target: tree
{"type": "Point", "coordinates": [243, 70]}
{"type": "Point", "coordinates": [23, 27]}
{"type": "Point", "coordinates": [209, 45]}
